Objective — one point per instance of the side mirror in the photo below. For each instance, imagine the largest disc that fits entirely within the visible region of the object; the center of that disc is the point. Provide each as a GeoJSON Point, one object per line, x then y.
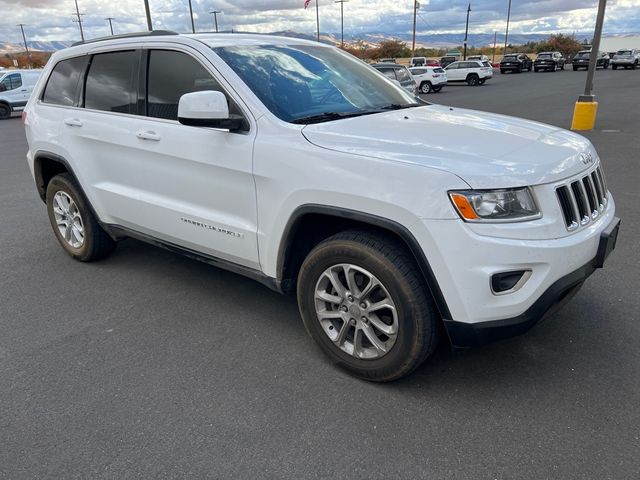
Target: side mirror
{"type": "Point", "coordinates": [207, 109]}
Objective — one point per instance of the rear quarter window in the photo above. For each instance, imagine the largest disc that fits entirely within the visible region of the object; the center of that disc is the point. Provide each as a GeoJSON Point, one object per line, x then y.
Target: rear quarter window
{"type": "Point", "coordinates": [62, 85]}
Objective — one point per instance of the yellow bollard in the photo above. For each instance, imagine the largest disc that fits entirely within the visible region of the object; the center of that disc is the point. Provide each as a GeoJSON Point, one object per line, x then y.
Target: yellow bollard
{"type": "Point", "coordinates": [584, 116]}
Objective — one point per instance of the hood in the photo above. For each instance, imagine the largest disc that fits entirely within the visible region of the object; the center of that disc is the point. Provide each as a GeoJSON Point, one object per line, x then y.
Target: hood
{"type": "Point", "coordinates": [484, 149]}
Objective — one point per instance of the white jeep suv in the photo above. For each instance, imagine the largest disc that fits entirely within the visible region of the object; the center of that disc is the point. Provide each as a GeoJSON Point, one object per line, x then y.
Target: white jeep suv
{"type": "Point", "coordinates": [296, 164]}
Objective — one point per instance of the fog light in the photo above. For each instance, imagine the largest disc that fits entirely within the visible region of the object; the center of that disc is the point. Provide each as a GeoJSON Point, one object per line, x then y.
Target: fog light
{"type": "Point", "coordinates": [507, 282]}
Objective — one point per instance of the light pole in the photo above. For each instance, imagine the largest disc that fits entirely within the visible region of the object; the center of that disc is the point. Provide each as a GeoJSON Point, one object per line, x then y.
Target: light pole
{"type": "Point", "coordinates": [495, 39]}
{"type": "Point", "coordinates": [341, 2]}
{"type": "Point", "coordinates": [193, 25]}
{"type": "Point", "coordinates": [79, 20]}
{"type": "Point", "coordinates": [26, 47]}
{"type": "Point", "coordinates": [416, 6]}
{"type": "Point", "coordinates": [584, 114]}
{"type": "Point", "coordinates": [109, 19]}
{"type": "Point", "coordinates": [506, 35]}
{"type": "Point", "coordinates": [148, 14]}
{"type": "Point", "coordinates": [215, 17]}
{"type": "Point", "coordinates": [466, 33]}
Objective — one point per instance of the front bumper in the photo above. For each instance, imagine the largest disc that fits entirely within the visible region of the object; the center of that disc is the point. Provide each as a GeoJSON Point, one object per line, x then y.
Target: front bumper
{"type": "Point", "coordinates": [463, 335]}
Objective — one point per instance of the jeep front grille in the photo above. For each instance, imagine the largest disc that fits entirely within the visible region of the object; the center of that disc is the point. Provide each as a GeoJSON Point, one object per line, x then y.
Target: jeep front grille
{"type": "Point", "coordinates": [582, 200]}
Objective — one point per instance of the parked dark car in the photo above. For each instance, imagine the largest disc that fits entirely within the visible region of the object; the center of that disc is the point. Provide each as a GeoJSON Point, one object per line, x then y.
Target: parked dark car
{"type": "Point", "coordinates": [581, 60]}
{"type": "Point", "coordinates": [549, 61]}
{"type": "Point", "coordinates": [515, 62]}
{"type": "Point", "coordinates": [448, 60]}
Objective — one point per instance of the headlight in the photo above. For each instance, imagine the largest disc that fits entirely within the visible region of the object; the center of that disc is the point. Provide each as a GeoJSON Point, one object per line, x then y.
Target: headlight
{"type": "Point", "coordinates": [506, 205]}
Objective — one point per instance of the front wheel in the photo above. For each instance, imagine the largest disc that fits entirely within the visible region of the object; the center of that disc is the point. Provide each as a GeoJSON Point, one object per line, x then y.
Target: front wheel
{"type": "Point", "coordinates": [5, 111]}
{"type": "Point", "coordinates": [575, 69]}
{"type": "Point", "coordinates": [425, 87]}
{"type": "Point", "coordinates": [73, 223]}
{"type": "Point", "coordinates": [363, 300]}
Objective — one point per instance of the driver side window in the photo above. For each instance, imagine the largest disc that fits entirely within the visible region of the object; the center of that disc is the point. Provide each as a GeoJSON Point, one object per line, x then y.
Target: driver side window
{"type": "Point", "coordinates": [11, 82]}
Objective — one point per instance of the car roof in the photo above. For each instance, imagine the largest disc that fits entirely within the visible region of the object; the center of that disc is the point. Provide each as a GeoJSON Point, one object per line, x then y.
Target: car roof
{"type": "Point", "coordinates": [387, 64]}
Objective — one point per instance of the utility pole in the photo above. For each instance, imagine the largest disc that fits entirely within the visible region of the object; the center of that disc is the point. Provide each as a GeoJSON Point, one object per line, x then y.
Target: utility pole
{"type": "Point", "coordinates": [215, 17]}
{"type": "Point", "coordinates": [148, 13]}
{"type": "Point", "coordinates": [466, 33]}
{"type": "Point", "coordinates": [26, 47]}
{"type": "Point", "coordinates": [506, 35]}
{"type": "Point", "coordinates": [495, 39]}
{"type": "Point", "coordinates": [341, 2]}
{"type": "Point", "coordinates": [193, 25]}
{"type": "Point", "coordinates": [318, 21]}
{"type": "Point", "coordinates": [109, 19]}
{"type": "Point", "coordinates": [416, 6]}
{"type": "Point", "coordinates": [584, 114]}
{"type": "Point", "coordinates": [79, 20]}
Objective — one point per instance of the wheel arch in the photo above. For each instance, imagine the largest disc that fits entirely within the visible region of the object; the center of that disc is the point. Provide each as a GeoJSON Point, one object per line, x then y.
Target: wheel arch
{"type": "Point", "coordinates": [311, 224]}
{"type": "Point", "coordinates": [47, 165]}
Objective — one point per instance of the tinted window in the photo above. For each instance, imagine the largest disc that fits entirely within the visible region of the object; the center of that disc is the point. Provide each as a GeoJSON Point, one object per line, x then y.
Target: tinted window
{"type": "Point", "coordinates": [62, 85]}
{"type": "Point", "coordinates": [388, 72]}
{"type": "Point", "coordinates": [544, 55]}
{"type": "Point", "coordinates": [11, 82]}
{"type": "Point", "coordinates": [418, 71]}
{"type": "Point", "coordinates": [171, 75]}
{"type": "Point", "coordinates": [486, 64]}
{"type": "Point", "coordinates": [453, 66]}
{"type": "Point", "coordinates": [510, 58]}
{"type": "Point", "coordinates": [109, 81]}
{"type": "Point", "coordinates": [469, 65]}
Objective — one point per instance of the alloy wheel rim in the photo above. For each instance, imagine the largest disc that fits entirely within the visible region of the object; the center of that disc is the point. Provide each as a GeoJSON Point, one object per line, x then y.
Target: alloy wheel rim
{"type": "Point", "coordinates": [68, 219]}
{"type": "Point", "coordinates": [356, 311]}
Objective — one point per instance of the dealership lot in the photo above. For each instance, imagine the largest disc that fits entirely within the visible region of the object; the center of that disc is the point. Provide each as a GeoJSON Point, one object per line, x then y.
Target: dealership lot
{"type": "Point", "coordinates": [150, 364]}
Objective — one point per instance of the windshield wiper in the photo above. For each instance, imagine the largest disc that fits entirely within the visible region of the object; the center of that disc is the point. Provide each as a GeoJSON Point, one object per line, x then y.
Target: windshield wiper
{"type": "Point", "coordinates": [327, 117]}
{"type": "Point", "coordinates": [398, 106]}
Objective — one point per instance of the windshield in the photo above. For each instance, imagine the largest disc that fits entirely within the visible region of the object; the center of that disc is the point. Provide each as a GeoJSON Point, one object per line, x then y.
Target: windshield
{"type": "Point", "coordinates": [510, 58]}
{"type": "Point", "coordinates": [623, 52]}
{"type": "Point", "coordinates": [299, 82]}
{"type": "Point", "coordinates": [545, 55]}
{"type": "Point", "coordinates": [582, 55]}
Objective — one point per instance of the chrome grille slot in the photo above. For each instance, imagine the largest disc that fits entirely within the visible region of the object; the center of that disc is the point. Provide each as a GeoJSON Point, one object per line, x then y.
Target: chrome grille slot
{"type": "Point", "coordinates": [582, 199]}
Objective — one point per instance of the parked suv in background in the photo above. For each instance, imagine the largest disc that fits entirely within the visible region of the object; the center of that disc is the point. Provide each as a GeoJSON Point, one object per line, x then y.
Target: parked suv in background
{"type": "Point", "coordinates": [626, 59]}
{"type": "Point", "coordinates": [447, 60]}
{"type": "Point", "coordinates": [473, 72]}
{"type": "Point", "coordinates": [516, 62]}
{"type": "Point", "coordinates": [581, 60]}
{"type": "Point", "coordinates": [550, 61]}
{"type": "Point", "coordinates": [296, 164]}
{"type": "Point", "coordinates": [481, 58]}
{"type": "Point", "coordinates": [15, 89]}
{"type": "Point", "coordinates": [429, 79]}
{"type": "Point", "coordinates": [399, 73]}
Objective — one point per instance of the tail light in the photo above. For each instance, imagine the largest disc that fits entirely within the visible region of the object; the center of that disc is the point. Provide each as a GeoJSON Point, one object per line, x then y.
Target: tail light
{"type": "Point", "coordinates": [24, 118]}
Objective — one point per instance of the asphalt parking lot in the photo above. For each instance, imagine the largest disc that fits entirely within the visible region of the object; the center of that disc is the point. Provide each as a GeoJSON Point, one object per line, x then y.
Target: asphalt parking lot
{"type": "Point", "coordinates": [149, 364]}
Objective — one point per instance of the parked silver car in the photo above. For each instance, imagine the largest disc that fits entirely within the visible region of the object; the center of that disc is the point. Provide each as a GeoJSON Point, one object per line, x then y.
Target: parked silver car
{"type": "Point", "coordinates": [626, 58]}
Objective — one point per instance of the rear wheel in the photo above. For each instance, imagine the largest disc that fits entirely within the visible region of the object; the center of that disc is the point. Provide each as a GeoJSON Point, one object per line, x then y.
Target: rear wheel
{"type": "Point", "coordinates": [481, 81]}
{"type": "Point", "coordinates": [75, 227]}
{"type": "Point", "coordinates": [364, 301]}
{"type": "Point", "coordinates": [575, 69]}
{"type": "Point", "coordinates": [425, 87]}
{"type": "Point", "coordinates": [5, 111]}
{"type": "Point", "coordinates": [472, 80]}
{"type": "Point", "coordinates": [635, 65]}
{"type": "Point", "coordinates": [502, 71]}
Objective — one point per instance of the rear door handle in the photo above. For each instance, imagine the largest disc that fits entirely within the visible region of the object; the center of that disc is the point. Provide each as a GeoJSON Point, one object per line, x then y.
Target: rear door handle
{"type": "Point", "coordinates": [73, 122]}
{"type": "Point", "coordinates": [148, 135]}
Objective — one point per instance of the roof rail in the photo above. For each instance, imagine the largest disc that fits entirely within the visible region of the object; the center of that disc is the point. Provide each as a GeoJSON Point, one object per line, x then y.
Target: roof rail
{"type": "Point", "coordinates": [152, 33]}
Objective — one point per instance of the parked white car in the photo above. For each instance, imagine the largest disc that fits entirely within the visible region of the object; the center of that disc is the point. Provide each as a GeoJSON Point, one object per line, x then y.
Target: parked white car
{"type": "Point", "coordinates": [296, 164]}
{"type": "Point", "coordinates": [429, 79]}
{"type": "Point", "coordinates": [473, 72]}
{"type": "Point", "coordinates": [480, 58]}
{"type": "Point", "coordinates": [626, 58]}
{"type": "Point", "coordinates": [15, 89]}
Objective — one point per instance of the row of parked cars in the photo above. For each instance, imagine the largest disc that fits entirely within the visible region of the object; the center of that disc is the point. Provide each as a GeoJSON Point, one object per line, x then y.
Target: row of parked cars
{"type": "Point", "coordinates": [552, 61]}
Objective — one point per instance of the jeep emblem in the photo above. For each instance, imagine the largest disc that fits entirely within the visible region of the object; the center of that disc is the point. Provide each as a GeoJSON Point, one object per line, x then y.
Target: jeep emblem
{"type": "Point", "coordinates": [586, 158]}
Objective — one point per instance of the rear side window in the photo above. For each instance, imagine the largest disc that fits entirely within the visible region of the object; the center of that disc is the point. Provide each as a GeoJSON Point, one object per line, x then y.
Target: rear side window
{"type": "Point", "coordinates": [171, 75]}
{"type": "Point", "coordinates": [388, 72]}
{"type": "Point", "coordinates": [109, 82]}
{"type": "Point", "coordinates": [403, 75]}
{"type": "Point", "coordinates": [62, 85]}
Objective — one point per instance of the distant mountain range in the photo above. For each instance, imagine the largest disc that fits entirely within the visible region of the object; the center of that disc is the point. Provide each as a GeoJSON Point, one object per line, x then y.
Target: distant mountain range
{"type": "Point", "coordinates": [435, 40]}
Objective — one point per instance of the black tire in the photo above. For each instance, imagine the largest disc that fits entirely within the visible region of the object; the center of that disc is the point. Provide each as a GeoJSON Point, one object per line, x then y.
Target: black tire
{"type": "Point", "coordinates": [472, 80]}
{"type": "Point", "coordinates": [425, 87]}
{"type": "Point", "coordinates": [562, 67]}
{"type": "Point", "coordinates": [519, 70]}
{"type": "Point", "coordinates": [481, 81]}
{"type": "Point", "coordinates": [394, 266]}
{"type": "Point", "coordinates": [634, 66]}
{"type": "Point", "coordinates": [502, 71]}
{"type": "Point", "coordinates": [97, 243]}
{"type": "Point", "coordinates": [536, 70]}
{"type": "Point", "coordinates": [605, 66]}
{"type": "Point", "coordinates": [615, 67]}
{"type": "Point", "coordinates": [437, 89]}
{"type": "Point", "coordinates": [575, 69]}
{"type": "Point", "coordinates": [5, 111]}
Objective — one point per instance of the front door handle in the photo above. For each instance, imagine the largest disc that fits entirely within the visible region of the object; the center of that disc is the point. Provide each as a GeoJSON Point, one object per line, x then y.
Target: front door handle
{"type": "Point", "coordinates": [73, 122]}
{"type": "Point", "coordinates": [148, 135]}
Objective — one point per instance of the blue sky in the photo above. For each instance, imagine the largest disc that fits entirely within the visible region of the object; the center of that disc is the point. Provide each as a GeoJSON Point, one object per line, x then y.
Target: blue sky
{"type": "Point", "coordinates": [51, 19]}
